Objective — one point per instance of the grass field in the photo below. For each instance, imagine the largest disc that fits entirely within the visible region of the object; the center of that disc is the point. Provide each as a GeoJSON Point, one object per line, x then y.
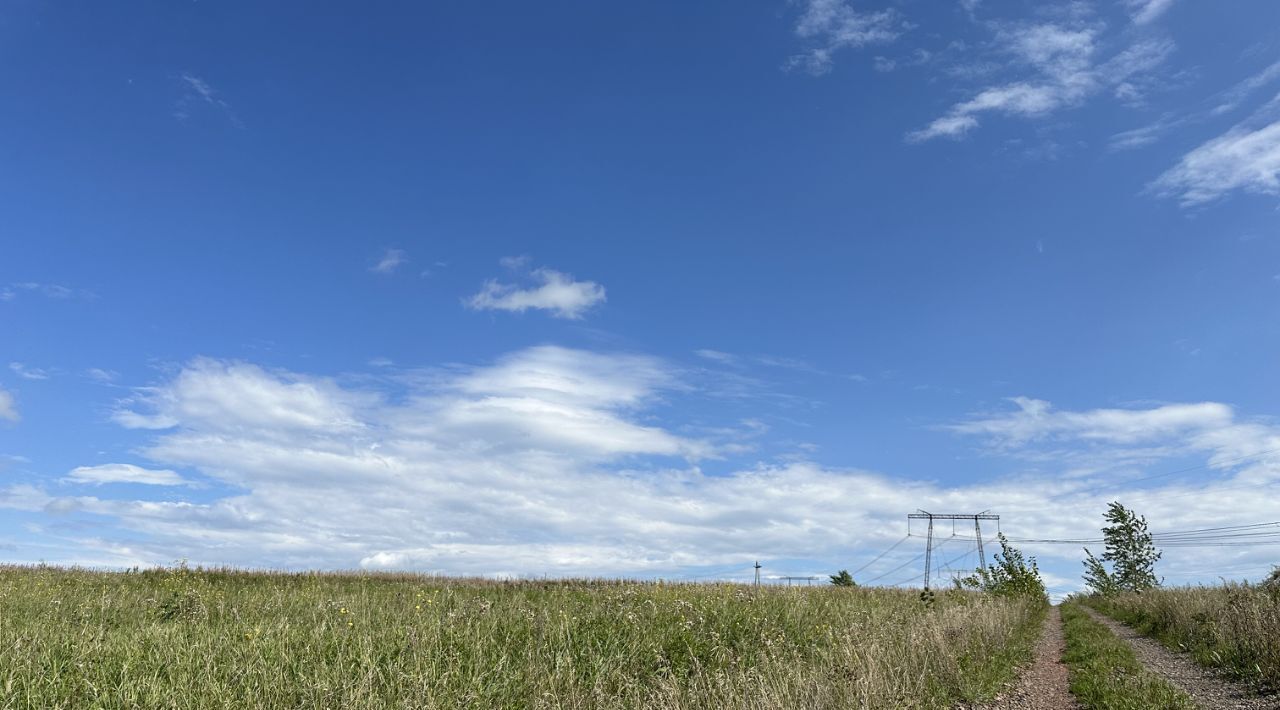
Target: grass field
{"type": "Point", "coordinates": [220, 639]}
{"type": "Point", "coordinates": [1235, 627]}
{"type": "Point", "coordinates": [1105, 672]}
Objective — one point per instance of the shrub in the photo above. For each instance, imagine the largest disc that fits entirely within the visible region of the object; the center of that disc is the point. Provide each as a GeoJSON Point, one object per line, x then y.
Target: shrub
{"type": "Point", "coordinates": [1012, 575]}
{"type": "Point", "coordinates": [843, 579]}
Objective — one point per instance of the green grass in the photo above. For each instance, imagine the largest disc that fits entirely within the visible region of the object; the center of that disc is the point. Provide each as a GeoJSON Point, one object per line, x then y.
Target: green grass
{"type": "Point", "coordinates": [220, 639]}
{"type": "Point", "coordinates": [1234, 627]}
{"type": "Point", "coordinates": [1105, 673]}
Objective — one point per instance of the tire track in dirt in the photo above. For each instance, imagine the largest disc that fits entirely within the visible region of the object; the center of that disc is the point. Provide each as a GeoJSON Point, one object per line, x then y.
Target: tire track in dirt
{"type": "Point", "coordinates": [1043, 685]}
{"type": "Point", "coordinates": [1205, 687]}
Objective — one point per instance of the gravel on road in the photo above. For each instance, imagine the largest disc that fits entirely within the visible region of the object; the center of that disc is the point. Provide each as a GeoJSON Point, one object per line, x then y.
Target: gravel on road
{"type": "Point", "coordinates": [1043, 685]}
{"type": "Point", "coordinates": [1205, 687]}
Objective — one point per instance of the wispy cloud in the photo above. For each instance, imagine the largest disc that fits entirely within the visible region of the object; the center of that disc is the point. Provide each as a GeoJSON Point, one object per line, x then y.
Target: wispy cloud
{"type": "Point", "coordinates": [1146, 11]}
{"type": "Point", "coordinates": [390, 260]}
{"type": "Point", "coordinates": [8, 409]}
{"type": "Point", "coordinates": [1144, 135]}
{"type": "Point", "coordinates": [716, 355]}
{"type": "Point", "coordinates": [196, 93]}
{"type": "Point", "coordinates": [516, 263]}
{"type": "Point", "coordinates": [1036, 420]}
{"type": "Point", "coordinates": [554, 291]}
{"type": "Point", "coordinates": [1233, 97]}
{"type": "Point", "coordinates": [1061, 70]}
{"type": "Point", "coordinates": [98, 374]}
{"type": "Point", "coordinates": [1243, 159]}
{"type": "Point", "coordinates": [28, 373]}
{"type": "Point", "coordinates": [13, 291]}
{"type": "Point", "coordinates": [124, 473]}
{"type": "Point", "coordinates": [1216, 105]}
{"type": "Point", "coordinates": [832, 25]}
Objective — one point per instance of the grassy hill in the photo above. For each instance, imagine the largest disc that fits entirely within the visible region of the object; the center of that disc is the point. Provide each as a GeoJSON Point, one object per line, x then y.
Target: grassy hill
{"type": "Point", "coordinates": [224, 639]}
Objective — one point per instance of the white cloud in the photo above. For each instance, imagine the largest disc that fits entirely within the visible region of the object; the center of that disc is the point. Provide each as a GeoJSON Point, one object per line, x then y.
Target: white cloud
{"type": "Point", "coordinates": [1222, 103]}
{"type": "Point", "coordinates": [557, 292]}
{"type": "Point", "coordinates": [1035, 420]}
{"type": "Point", "coordinates": [8, 410]}
{"type": "Point", "coordinates": [952, 126]}
{"type": "Point", "coordinates": [834, 25]}
{"type": "Point", "coordinates": [197, 92]}
{"type": "Point", "coordinates": [1061, 70]}
{"type": "Point", "coordinates": [716, 355]}
{"type": "Point", "coordinates": [124, 473]}
{"type": "Point", "coordinates": [1233, 97]}
{"type": "Point", "coordinates": [1241, 159]}
{"type": "Point", "coordinates": [1145, 11]}
{"type": "Point", "coordinates": [98, 374]}
{"type": "Point", "coordinates": [233, 395]}
{"type": "Point", "coordinates": [133, 420]}
{"type": "Point", "coordinates": [390, 260]}
{"type": "Point", "coordinates": [516, 263]}
{"type": "Point", "coordinates": [28, 373]}
{"type": "Point", "coordinates": [12, 291]}
{"type": "Point", "coordinates": [1143, 135]}
{"type": "Point", "coordinates": [558, 461]}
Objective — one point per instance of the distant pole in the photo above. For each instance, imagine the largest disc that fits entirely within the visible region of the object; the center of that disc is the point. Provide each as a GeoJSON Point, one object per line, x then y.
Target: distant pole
{"type": "Point", "coordinates": [928, 553]}
{"type": "Point", "coordinates": [757, 573]}
{"type": "Point", "coordinates": [982, 557]}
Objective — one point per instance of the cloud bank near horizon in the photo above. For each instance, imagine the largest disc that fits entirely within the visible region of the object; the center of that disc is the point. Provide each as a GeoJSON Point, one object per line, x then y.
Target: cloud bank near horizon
{"type": "Point", "coordinates": [556, 461]}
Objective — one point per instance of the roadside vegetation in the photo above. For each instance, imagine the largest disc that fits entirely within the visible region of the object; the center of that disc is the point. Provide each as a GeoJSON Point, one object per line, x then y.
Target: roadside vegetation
{"type": "Point", "coordinates": [1129, 549]}
{"type": "Point", "coordinates": [1105, 673]}
{"type": "Point", "coordinates": [221, 639]}
{"type": "Point", "coordinates": [1012, 575]}
{"type": "Point", "coordinates": [1234, 627]}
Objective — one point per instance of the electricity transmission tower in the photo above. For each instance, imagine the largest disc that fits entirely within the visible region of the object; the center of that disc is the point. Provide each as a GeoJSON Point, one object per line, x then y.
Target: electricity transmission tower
{"type": "Point", "coordinates": [928, 549]}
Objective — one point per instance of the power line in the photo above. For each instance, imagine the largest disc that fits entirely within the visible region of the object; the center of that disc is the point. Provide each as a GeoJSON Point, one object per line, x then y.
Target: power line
{"type": "Point", "coordinates": [1224, 544]}
{"type": "Point", "coordinates": [1189, 469]}
{"type": "Point", "coordinates": [913, 560]}
{"type": "Point", "coordinates": [912, 578]}
{"type": "Point", "coordinates": [1166, 474]}
{"type": "Point", "coordinates": [704, 575]}
{"type": "Point", "coordinates": [1172, 538]}
{"type": "Point", "coordinates": [964, 555]}
{"type": "Point", "coordinates": [881, 555]}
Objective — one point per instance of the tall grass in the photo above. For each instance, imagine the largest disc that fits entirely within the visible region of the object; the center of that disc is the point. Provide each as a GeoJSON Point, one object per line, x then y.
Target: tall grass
{"type": "Point", "coordinates": [1105, 672]}
{"type": "Point", "coordinates": [220, 639]}
{"type": "Point", "coordinates": [1234, 627]}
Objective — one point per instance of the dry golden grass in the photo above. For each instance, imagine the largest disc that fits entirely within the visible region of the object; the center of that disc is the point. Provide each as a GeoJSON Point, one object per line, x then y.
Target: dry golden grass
{"type": "Point", "coordinates": [1235, 627]}
{"type": "Point", "coordinates": [221, 639]}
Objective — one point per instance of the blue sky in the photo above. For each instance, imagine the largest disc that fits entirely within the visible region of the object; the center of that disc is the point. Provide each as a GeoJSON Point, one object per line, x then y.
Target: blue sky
{"type": "Point", "coordinates": [654, 289]}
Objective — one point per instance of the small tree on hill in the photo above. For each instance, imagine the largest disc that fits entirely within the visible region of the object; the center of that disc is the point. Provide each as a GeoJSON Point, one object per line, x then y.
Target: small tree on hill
{"type": "Point", "coordinates": [843, 579]}
{"type": "Point", "coordinates": [1129, 549]}
{"type": "Point", "coordinates": [1012, 575]}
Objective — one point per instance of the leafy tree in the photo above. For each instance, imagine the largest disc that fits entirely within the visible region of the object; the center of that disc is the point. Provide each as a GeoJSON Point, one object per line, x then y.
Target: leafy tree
{"type": "Point", "coordinates": [1129, 549]}
{"type": "Point", "coordinates": [1096, 576]}
{"type": "Point", "coordinates": [1012, 575]}
{"type": "Point", "coordinates": [843, 579]}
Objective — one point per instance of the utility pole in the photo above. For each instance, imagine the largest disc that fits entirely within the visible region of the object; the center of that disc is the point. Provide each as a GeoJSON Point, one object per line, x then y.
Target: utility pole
{"type": "Point", "coordinates": [757, 573]}
{"type": "Point", "coordinates": [928, 549]}
{"type": "Point", "coordinates": [977, 531]}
